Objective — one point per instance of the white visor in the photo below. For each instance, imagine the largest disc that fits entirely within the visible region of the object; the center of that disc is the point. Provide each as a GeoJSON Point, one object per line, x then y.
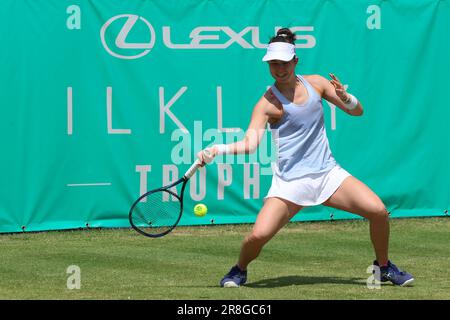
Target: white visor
{"type": "Point", "coordinates": [280, 51]}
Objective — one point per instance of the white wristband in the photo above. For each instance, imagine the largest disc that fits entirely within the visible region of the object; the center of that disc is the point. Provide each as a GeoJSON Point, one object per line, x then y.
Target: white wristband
{"type": "Point", "coordinates": [352, 103]}
{"type": "Point", "coordinates": [222, 148]}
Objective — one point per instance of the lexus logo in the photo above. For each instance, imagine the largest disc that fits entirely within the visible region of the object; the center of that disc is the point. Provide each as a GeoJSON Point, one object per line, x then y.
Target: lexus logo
{"type": "Point", "coordinates": [131, 26]}
{"type": "Point", "coordinates": [121, 37]}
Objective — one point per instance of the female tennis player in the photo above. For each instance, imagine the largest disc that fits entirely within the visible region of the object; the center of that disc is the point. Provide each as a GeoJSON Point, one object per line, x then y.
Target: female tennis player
{"type": "Point", "coordinates": [305, 173]}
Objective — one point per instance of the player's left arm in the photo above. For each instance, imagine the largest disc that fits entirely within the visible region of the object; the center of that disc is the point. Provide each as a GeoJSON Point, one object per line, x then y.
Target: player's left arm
{"type": "Point", "coordinates": [334, 92]}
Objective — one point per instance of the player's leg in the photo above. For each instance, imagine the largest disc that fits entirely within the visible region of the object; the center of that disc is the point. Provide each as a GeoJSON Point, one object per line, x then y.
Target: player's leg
{"type": "Point", "coordinates": [354, 196]}
{"type": "Point", "coordinates": [275, 213]}
{"type": "Point", "coordinates": [272, 217]}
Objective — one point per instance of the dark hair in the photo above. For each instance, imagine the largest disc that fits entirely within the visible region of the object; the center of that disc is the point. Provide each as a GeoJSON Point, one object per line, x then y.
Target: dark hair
{"type": "Point", "coordinates": [284, 35]}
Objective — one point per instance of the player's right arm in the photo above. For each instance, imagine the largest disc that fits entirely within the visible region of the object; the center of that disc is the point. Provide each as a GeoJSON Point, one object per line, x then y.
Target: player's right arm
{"type": "Point", "coordinates": [264, 110]}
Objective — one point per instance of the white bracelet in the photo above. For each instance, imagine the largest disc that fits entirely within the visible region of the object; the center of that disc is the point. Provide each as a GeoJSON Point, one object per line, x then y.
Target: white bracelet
{"type": "Point", "coordinates": [222, 148]}
{"type": "Point", "coordinates": [352, 102]}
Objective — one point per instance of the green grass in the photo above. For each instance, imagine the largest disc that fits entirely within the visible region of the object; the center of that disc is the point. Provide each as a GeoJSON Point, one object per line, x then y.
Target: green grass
{"type": "Point", "coordinates": [326, 260]}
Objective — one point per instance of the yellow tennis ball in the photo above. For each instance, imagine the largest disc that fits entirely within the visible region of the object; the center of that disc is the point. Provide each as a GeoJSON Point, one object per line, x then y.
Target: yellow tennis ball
{"type": "Point", "coordinates": [200, 210]}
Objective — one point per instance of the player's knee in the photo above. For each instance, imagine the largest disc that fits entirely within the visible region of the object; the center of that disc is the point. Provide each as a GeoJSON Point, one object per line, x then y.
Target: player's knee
{"type": "Point", "coordinates": [379, 212]}
{"type": "Point", "coordinates": [259, 238]}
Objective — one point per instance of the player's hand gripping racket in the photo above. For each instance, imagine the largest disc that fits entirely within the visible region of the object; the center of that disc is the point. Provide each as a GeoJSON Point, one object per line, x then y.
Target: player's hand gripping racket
{"type": "Point", "coordinates": [151, 216]}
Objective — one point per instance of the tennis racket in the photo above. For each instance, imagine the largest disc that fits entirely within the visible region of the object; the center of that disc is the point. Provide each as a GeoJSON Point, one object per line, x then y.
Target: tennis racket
{"type": "Point", "coordinates": [151, 216]}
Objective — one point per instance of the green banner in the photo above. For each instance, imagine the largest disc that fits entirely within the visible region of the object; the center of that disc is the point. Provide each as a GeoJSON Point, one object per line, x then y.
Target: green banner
{"type": "Point", "coordinates": [101, 100]}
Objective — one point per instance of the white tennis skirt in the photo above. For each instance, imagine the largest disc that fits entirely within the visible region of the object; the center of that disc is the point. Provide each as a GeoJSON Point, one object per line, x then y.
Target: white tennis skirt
{"type": "Point", "coordinates": [310, 190]}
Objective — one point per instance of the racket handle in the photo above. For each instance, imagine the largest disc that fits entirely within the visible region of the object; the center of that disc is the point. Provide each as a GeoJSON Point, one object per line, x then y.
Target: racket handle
{"type": "Point", "coordinates": [192, 169]}
{"type": "Point", "coordinates": [207, 157]}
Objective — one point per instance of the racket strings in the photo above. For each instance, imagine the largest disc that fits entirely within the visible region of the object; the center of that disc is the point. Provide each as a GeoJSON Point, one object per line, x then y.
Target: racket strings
{"type": "Point", "coordinates": [154, 215]}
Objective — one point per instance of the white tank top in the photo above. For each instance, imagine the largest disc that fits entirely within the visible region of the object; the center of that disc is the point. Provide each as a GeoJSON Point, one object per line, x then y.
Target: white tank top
{"type": "Point", "coordinates": [300, 137]}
